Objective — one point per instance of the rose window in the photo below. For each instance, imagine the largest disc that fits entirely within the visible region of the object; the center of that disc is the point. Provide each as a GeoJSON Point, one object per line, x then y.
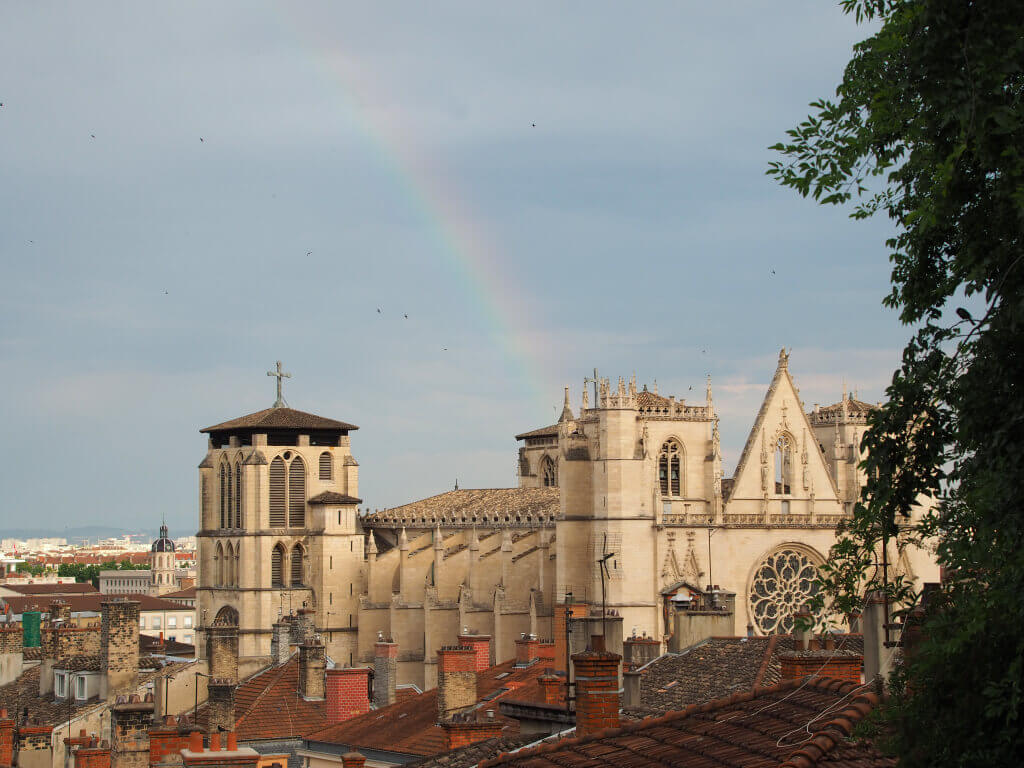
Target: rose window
{"type": "Point", "coordinates": [783, 583]}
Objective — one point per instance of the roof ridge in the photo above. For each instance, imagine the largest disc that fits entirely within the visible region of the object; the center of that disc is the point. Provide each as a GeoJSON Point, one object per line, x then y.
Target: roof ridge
{"type": "Point", "coordinates": [769, 651]}
{"type": "Point", "coordinates": [824, 739]}
{"type": "Point", "coordinates": [252, 707]}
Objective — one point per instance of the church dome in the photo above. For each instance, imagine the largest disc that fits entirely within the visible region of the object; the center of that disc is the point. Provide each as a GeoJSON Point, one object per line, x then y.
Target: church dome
{"type": "Point", "coordinates": [164, 543]}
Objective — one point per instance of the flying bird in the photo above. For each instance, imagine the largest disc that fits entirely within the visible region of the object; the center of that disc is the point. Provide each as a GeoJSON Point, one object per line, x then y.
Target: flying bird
{"type": "Point", "coordinates": [308, 253]}
{"type": "Point", "coordinates": [200, 138]}
{"type": "Point", "coordinates": [534, 125]}
{"type": "Point", "coordinates": [93, 135]}
{"type": "Point", "coordinates": [773, 271]}
{"type": "Point", "coordinates": [405, 316]}
{"type": "Point", "coordinates": [378, 310]}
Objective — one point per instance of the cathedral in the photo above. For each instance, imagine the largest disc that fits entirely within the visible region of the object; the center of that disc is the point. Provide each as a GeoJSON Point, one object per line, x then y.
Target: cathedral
{"type": "Point", "coordinates": [621, 510]}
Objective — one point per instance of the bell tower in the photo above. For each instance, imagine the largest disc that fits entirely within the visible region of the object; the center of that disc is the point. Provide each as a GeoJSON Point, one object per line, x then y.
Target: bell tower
{"type": "Point", "coordinates": [278, 530]}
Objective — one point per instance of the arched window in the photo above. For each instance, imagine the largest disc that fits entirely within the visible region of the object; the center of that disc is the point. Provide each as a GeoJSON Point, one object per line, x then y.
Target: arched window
{"type": "Point", "coordinates": [297, 493]}
{"type": "Point", "coordinates": [224, 481]}
{"type": "Point", "coordinates": [229, 510]}
{"type": "Point", "coordinates": [218, 565]}
{"type": "Point", "coordinates": [670, 469]}
{"type": "Point", "coordinates": [296, 570]}
{"type": "Point", "coordinates": [238, 495]}
{"type": "Point", "coordinates": [204, 499]}
{"type": "Point", "coordinates": [784, 464]}
{"type": "Point", "coordinates": [277, 566]}
{"type": "Point", "coordinates": [277, 493]}
{"type": "Point", "coordinates": [549, 472]}
{"type": "Point", "coordinates": [326, 466]}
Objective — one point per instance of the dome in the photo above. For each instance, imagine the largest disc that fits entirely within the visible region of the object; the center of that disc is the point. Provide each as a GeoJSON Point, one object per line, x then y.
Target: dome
{"type": "Point", "coordinates": [163, 544]}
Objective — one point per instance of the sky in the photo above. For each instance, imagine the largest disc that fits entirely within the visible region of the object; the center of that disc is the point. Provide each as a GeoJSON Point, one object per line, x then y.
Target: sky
{"type": "Point", "coordinates": [437, 215]}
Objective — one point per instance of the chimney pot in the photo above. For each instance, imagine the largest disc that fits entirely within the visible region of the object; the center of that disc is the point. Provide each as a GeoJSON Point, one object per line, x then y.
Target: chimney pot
{"type": "Point", "coordinates": [232, 742]}
{"type": "Point", "coordinates": [215, 742]}
{"type": "Point", "coordinates": [195, 741]}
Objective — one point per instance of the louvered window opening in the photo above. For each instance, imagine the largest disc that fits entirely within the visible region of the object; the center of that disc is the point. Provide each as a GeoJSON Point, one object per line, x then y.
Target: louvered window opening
{"type": "Point", "coordinates": [276, 566]}
{"type": "Point", "coordinates": [230, 511]}
{"type": "Point", "coordinates": [297, 493]}
{"type": "Point", "coordinates": [223, 494]}
{"type": "Point", "coordinates": [204, 499]}
{"type": "Point", "coordinates": [296, 574]}
{"type": "Point", "coordinates": [325, 466]}
{"type": "Point", "coordinates": [219, 564]}
{"type": "Point", "coordinates": [669, 469]}
{"type": "Point", "coordinates": [238, 496]}
{"type": "Point", "coordinates": [277, 493]}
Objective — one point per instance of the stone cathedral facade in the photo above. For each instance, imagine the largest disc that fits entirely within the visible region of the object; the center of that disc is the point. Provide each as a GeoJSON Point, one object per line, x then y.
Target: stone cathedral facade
{"type": "Point", "coordinates": [634, 480]}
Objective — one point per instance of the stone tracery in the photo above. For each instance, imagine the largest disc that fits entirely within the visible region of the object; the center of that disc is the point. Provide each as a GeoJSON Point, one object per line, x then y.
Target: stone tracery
{"type": "Point", "coordinates": [783, 582]}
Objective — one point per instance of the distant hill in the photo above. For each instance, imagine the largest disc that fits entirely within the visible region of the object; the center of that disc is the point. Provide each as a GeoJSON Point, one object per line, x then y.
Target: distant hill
{"type": "Point", "coordinates": [71, 534]}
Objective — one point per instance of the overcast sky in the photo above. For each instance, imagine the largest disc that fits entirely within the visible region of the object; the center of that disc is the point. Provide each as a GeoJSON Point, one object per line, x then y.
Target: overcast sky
{"type": "Point", "coordinates": [191, 191]}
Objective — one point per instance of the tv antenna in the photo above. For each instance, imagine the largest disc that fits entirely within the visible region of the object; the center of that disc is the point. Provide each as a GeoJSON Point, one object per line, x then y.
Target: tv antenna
{"type": "Point", "coordinates": [602, 564]}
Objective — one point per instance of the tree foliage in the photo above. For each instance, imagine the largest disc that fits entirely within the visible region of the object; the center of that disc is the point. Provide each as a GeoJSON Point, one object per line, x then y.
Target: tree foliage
{"type": "Point", "coordinates": [91, 572]}
{"type": "Point", "coordinates": [927, 128]}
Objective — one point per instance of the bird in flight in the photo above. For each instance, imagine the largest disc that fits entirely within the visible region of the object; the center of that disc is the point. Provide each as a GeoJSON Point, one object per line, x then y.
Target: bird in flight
{"type": "Point", "coordinates": [378, 310]}
{"type": "Point", "coordinates": [534, 125]}
{"type": "Point", "coordinates": [773, 271]}
{"type": "Point", "coordinates": [308, 253]}
{"type": "Point", "coordinates": [93, 135]}
{"type": "Point", "coordinates": [200, 138]}
{"type": "Point", "coordinates": [405, 316]}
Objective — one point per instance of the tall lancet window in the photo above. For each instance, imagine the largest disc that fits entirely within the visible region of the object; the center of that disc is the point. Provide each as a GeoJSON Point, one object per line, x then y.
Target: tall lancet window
{"type": "Point", "coordinates": [238, 495]}
{"type": "Point", "coordinates": [784, 464]}
{"type": "Point", "coordinates": [326, 466]}
{"type": "Point", "coordinates": [549, 472]}
{"type": "Point", "coordinates": [225, 489]}
{"type": "Point", "coordinates": [277, 566]}
{"type": "Point", "coordinates": [296, 573]}
{"type": "Point", "coordinates": [277, 493]}
{"type": "Point", "coordinates": [670, 469]}
{"type": "Point", "coordinates": [297, 493]}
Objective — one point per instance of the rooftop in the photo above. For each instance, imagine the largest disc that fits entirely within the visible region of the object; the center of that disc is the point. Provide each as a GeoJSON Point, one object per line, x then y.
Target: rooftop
{"type": "Point", "coordinates": [469, 506]}
{"type": "Point", "coordinates": [51, 589]}
{"type": "Point", "coordinates": [801, 723]}
{"type": "Point", "coordinates": [279, 418]}
{"type": "Point", "coordinates": [551, 431]}
{"type": "Point", "coordinates": [85, 602]}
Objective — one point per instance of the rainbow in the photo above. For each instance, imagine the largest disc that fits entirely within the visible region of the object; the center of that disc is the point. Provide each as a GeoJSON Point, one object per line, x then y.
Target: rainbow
{"type": "Point", "coordinates": [470, 253]}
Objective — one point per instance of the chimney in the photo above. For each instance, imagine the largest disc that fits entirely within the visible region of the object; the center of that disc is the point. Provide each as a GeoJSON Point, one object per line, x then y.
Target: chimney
{"type": "Point", "coordinates": [352, 760]}
{"type": "Point", "coordinates": [95, 755]}
{"type": "Point", "coordinates": [312, 664]}
{"type": "Point", "coordinates": [35, 748]}
{"type": "Point", "coordinates": [562, 613]}
{"type": "Point", "coordinates": [166, 740]}
{"type": "Point", "coordinates": [481, 645]}
{"type": "Point", "coordinates": [228, 756]}
{"type": "Point", "coordinates": [597, 688]}
{"type": "Point", "coordinates": [130, 721]}
{"type": "Point", "coordinates": [527, 650]}
{"type": "Point", "coordinates": [873, 621]}
{"type": "Point", "coordinates": [11, 652]}
{"type": "Point", "coordinates": [280, 643]}
{"type": "Point", "coordinates": [631, 689]}
{"type": "Point", "coordinates": [837, 664]}
{"type": "Point", "coordinates": [802, 636]}
{"type": "Point", "coordinates": [348, 693]}
{"type": "Point", "coordinates": [456, 680]}
{"type": "Point", "coordinates": [220, 705]}
{"type": "Point", "coordinates": [304, 628]}
{"type": "Point", "coordinates": [222, 651]}
{"type": "Point", "coordinates": [638, 651]}
{"type": "Point", "coordinates": [60, 611]}
{"type": "Point", "coordinates": [6, 739]}
{"type": "Point", "coordinates": [551, 687]}
{"type": "Point", "coordinates": [385, 672]}
{"type": "Point", "coordinates": [119, 648]}
{"type": "Point", "coordinates": [461, 733]}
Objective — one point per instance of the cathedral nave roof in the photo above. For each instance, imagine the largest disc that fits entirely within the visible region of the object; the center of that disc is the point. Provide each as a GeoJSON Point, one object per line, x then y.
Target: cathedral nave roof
{"type": "Point", "coordinates": [469, 506]}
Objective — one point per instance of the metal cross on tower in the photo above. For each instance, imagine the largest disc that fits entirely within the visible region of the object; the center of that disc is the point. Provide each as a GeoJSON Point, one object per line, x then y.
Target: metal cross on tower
{"type": "Point", "coordinates": [279, 374]}
{"type": "Point", "coordinates": [595, 381]}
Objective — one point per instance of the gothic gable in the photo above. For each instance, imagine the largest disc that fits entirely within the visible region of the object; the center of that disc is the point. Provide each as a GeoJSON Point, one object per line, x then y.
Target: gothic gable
{"type": "Point", "coordinates": [781, 457]}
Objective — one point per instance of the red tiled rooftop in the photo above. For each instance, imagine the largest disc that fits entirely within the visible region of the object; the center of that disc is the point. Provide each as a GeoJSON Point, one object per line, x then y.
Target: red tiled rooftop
{"type": "Point", "coordinates": [52, 589]}
{"type": "Point", "coordinates": [794, 723]}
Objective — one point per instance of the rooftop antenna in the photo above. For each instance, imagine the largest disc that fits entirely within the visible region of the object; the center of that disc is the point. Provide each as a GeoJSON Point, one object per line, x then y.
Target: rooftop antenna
{"type": "Point", "coordinates": [602, 563]}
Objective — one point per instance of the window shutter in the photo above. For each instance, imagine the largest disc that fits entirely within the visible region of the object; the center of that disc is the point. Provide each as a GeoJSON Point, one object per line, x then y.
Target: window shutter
{"type": "Point", "coordinates": [297, 493]}
{"type": "Point", "coordinates": [275, 567]}
{"type": "Point", "coordinates": [325, 466]}
{"type": "Point", "coordinates": [277, 514]}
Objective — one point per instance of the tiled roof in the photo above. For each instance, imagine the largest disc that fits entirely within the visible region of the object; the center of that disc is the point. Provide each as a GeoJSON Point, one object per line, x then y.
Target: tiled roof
{"type": "Point", "coordinates": [86, 602]}
{"type": "Point", "coordinates": [551, 431]}
{"type": "Point", "coordinates": [469, 505]}
{"type": "Point", "coordinates": [795, 723]}
{"type": "Point", "coordinates": [51, 589]}
{"type": "Point", "coordinates": [279, 418]}
{"type": "Point", "coordinates": [268, 706]}
{"type": "Point", "coordinates": [79, 664]}
{"type": "Point", "coordinates": [467, 757]}
{"type": "Point", "coordinates": [854, 407]}
{"type": "Point", "coordinates": [719, 667]}
{"type": "Point", "coordinates": [645, 399]}
{"type": "Point", "coordinates": [182, 594]}
{"type": "Point", "coordinates": [330, 497]}
{"type": "Point", "coordinates": [410, 726]}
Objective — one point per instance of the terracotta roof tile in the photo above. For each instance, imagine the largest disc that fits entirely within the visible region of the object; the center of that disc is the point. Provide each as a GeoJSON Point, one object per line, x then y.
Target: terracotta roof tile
{"type": "Point", "coordinates": [762, 727]}
{"type": "Point", "coordinates": [86, 602]}
{"type": "Point", "coordinates": [551, 431]}
{"type": "Point", "coordinates": [51, 589]}
{"type": "Point", "coordinates": [330, 497]}
{"type": "Point", "coordinates": [279, 418]}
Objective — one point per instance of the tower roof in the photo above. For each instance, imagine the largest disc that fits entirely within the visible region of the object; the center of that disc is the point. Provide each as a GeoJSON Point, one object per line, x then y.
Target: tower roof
{"type": "Point", "coordinates": [279, 418]}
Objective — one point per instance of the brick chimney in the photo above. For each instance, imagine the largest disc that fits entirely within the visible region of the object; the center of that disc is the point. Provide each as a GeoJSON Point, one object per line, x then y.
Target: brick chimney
{"type": "Point", "coordinates": [95, 755]}
{"type": "Point", "coordinates": [222, 651]}
{"type": "Point", "coordinates": [130, 720]}
{"type": "Point", "coordinates": [35, 748]}
{"type": "Point", "coordinates": [166, 741]}
{"type": "Point", "coordinates": [11, 652]}
{"type": "Point", "coordinates": [280, 643]}
{"type": "Point", "coordinates": [839, 664]}
{"type": "Point", "coordinates": [312, 665]}
{"type": "Point", "coordinates": [385, 672]}
{"type": "Point", "coordinates": [60, 611]}
{"type": "Point", "coordinates": [119, 647]}
{"type": "Point", "coordinates": [638, 651]}
{"type": "Point", "coordinates": [551, 687]}
{"type": "Point", "coordinates": [228, 756]}
{"type": "Point", "coordinates": [456, 680]}
{"type": "Point", "coordinates": [303, 628]}
{"type": "Point", "coordinates": [481, 645]}
{"type": "Point", "coordinates": [573, 610]}
{"type": "Point", "coordinates": [352, 760]}
{"type": "Point", "coordinates": [461, 733]}
{"type": "Point", "coordinates": [348, 693]}
{"type": "Point", "coordinates": [6, 739]}
{"type": "Point", "coordinates": [597, 688]}
{"type": "Point", "coordinates": [220, 706]}
{"type": "Point", "coordinates": [527, 650]}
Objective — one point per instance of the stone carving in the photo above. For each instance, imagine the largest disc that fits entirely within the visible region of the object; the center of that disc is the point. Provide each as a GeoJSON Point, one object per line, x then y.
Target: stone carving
{"type": "Point", "coordinates": [783, 583]}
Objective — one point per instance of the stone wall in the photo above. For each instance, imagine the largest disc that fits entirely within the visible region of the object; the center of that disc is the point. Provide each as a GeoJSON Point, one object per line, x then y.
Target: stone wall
{"type": "Point", "coordinates": [119, 648]}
